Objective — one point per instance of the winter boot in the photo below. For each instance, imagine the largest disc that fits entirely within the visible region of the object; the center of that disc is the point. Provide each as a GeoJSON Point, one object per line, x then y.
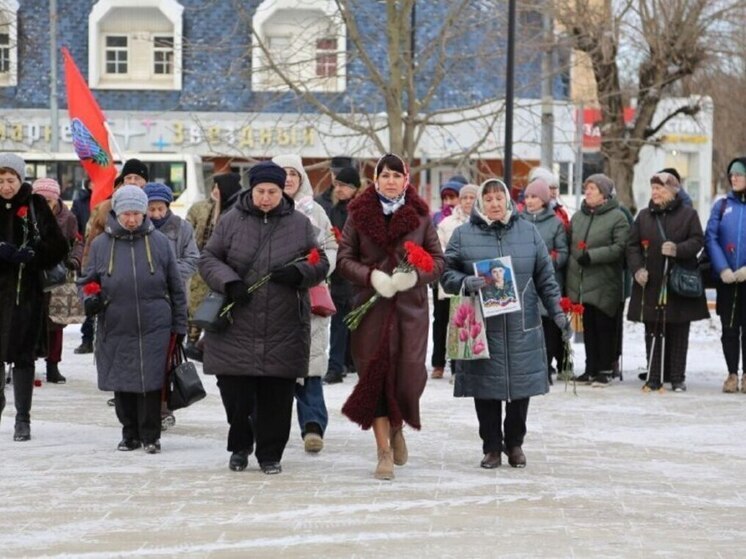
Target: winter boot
{"type": "Point", "coordinates": [603, 379]}
{"type": "Point", "coordinates": [83, 348]}
{"type": "Point", "coordinates": [731, 384]}
{"type": "Point", "coordinates": [385, 468]}
{"type": "Point", "coordinates": [53, 374]}
{"type": "Point", "coordinates": [23, 390]}
{"type": "Point", "coordinates": [399, 446]}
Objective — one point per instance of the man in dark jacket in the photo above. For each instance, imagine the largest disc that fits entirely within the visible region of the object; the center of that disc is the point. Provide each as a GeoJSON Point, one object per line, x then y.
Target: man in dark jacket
{"type": "Point", "coordinates": [82, 211]}
{"type": "Point", "coordinates": [345, 188]}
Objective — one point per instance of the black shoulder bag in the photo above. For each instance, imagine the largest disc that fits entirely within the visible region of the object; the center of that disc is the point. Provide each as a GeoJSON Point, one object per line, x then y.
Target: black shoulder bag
{"type": "Point", "coordinates": [683, 281]}
{"type": "Point", "coordinates": [57, 274]}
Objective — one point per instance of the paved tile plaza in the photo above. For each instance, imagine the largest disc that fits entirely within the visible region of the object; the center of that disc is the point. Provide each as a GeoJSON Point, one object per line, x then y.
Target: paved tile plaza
{"type": "Point", "coordinates": [611, 473]}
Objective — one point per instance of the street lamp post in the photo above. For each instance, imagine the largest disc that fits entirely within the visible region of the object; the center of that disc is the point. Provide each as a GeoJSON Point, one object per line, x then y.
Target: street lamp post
{"type": "Point", "coordinates": [509, 95]}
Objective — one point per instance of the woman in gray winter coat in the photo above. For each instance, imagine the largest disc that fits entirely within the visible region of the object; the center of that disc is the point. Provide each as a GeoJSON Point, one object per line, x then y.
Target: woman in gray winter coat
{"type": "Point", "coordinates": [538, 210]}
{"type": "Point", "coordinates": [517, 367]}
{"type": "Point", "coordinates": [180, 234]}
{"type": "Point", "coordinates": [141, 311]}
{"type": "Point", "coordinates": [265, 349]}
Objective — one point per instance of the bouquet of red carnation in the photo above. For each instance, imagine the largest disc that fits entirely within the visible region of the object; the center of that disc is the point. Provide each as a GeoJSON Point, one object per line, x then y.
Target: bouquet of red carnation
{"type": "Point", "coordinates": [574, 314]}
{"type": "Point", "coordinates": [92, 302]}
{"type": "Point", "coordinates": [313, 257]}
{"type": "Point", "coordinates": [416, 258]}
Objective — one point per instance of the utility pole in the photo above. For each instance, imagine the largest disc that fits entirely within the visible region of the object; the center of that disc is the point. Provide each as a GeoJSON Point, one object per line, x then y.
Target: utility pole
{"type": "Point", "coordinates": [53, 109]}
{"type": "Point", "coordinates": [547, 93]}
{"type": "Point", "coordinates": [509, 96]}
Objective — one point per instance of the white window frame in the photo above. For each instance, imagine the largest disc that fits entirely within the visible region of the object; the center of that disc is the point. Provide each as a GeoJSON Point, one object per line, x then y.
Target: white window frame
{"type": "Point", "coordinates": [118, 49]}
{"type": "Point", "coordinates": [168, 53]}
{"type": "Point", "coordinates": [98, 78]}
{"type": "Point", "coordinates": [264, 13]}
{"type": "Point", "coordinates": [10, 10]}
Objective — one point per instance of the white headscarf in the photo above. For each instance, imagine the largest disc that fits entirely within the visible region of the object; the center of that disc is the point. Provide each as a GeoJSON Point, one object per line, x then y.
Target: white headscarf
{"type": "Point", "coordinates": [479, 207]}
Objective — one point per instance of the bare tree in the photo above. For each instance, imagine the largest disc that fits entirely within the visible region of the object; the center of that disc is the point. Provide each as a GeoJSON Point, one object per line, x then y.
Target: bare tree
{"type": "Point", "coordinates": [666, 40]}
{"type": "Point", "coordinates": [402, 82]}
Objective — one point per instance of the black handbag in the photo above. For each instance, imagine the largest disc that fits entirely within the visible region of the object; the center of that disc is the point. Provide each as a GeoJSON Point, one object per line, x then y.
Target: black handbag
{"type": "Point", "coordinates": [55, 276]}
{"type": "Point", "coordinates": [184, 386]}
{"type": "Point", "coordinates": [685, 282]}
{"type": "Point", "coordinates": [210, 315]}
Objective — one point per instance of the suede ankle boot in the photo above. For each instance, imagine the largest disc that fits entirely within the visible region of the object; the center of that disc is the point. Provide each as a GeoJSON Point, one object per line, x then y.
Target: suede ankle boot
{"type": "Point", "coordinates": [385, 468]}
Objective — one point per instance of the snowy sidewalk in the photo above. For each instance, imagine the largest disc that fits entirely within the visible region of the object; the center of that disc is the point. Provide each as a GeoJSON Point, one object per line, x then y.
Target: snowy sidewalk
{"type": "Point", "coordinates": [611, 472]}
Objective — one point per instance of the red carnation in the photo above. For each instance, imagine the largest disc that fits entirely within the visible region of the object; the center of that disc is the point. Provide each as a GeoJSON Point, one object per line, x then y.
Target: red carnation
{"type": "Point", "coordinates": [419, 257]}
{"type": "Point", "coordinates": [22, 212]}
{"type": "Point", "coordinates": [314, 257]}
{"type": "Point", "coordinates": [553, 254]}
{"type": "Point", "coordinates": [730, 247]}
{"type": "Point", "coordinates": [578, 309]}
{"type": "Point", "coordinates": [337, 233]}
{"type": "Point", "coordinates": [92, 288]}
{"type": "Point", "coordinates": [645, 244]}
{"type": "Point", "coordinates": [565, 304]}
{"type": "Point", "coordinates": [582, 245]}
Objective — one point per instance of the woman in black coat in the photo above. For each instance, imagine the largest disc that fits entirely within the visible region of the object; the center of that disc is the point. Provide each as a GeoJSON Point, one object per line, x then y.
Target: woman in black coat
{"type": "Point", "coordinates": [30, 242]}
{"type": "Point", "coordinates": [665, 234]}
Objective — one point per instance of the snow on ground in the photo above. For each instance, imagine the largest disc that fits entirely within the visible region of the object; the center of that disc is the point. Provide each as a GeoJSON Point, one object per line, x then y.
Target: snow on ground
{"type": "Point", "coordinates": [612, 472]}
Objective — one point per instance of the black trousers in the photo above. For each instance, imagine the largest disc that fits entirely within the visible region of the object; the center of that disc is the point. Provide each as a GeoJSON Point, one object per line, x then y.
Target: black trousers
{"type": "Point", "coordinates": [601, 338]}
{"type": "Point", "coordinates": [489, 414]}
{"type": "Point", "coordinates": [733, 339]}
{"type": "Point", "coordinates": [139, 414]}
{"type": "Point", "coordinates": [553, 342]}
{"type": "Point", "coordinates": [270, 401]}
{"type": "Point", "coordinates": [677, 344]}
{"type": "Point", "coordinates": [441, 309]}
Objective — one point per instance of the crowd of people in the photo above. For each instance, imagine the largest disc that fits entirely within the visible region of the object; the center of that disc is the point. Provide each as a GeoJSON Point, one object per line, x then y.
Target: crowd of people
{"type": "Point", "coordinates": [271, 249]}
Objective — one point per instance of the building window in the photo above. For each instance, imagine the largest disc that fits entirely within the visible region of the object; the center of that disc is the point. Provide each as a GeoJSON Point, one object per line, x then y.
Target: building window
{"type": "Point", "coordinates": [326, 58]}
{"type": "Point", "coordinates": [116, 54]}
{"type": "Point", "coordinates": [8, 42]}
{"type": "Point", "coordinates": [313, 60]}
{"type": "Point", "coordinates": [163, 55]}
{"type": "Point", "coordinates": [138, 44]}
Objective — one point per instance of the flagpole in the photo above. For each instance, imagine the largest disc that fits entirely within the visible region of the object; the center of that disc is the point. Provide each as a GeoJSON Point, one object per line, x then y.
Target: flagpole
{"type": "Point", "coordinates": [114, 142]}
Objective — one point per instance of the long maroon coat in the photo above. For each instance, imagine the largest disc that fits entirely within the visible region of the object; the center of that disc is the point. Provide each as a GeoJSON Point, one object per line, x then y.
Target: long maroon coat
{"type": "Point", "coordinates": [390, 345]}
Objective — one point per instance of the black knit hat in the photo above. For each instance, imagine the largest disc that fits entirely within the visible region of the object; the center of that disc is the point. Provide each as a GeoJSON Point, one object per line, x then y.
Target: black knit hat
{"type": "Point", "coordinates": [132, 167]}
{"type": "Point", "coordinates": [349, 176]}
{"type": "Point", "coordinates": [266, 171]}
{"type": "Point", "coordinates": [228, 184]}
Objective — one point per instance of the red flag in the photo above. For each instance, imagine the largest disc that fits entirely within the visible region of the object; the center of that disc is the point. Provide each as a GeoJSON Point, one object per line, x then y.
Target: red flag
{"type": "Point", "coordinates": [90, 138]}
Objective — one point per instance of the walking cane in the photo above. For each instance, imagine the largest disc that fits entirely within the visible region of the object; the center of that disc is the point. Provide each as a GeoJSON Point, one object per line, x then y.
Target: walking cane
{"type": "Point", "coordinates": [658, 328]}
{"type": "Point", "coordinates": [663, 327]}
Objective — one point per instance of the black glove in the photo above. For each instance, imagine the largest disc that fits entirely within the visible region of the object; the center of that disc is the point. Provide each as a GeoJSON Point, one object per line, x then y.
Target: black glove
{"type": "Point", "coordinates": [238, 292]}
{"type": "Point", "coordinates": [179, 339]}
{"type": "Point", "coordinates": [72, 264]}
{"type": "Point", "coordinates": [288, 275]}
{"type": "Point", "coordinates": [93, 305]}
{"type": "Point", "coordinates": [23, 255]}
{"type": "Point", "coordinates": [472, 284]}
{"type": "Point", "coordinates": [7, 251]}
{"type": "Point", "coordinates": [584, 259]}
{"type": "Point", "coordinates": [565, 327]}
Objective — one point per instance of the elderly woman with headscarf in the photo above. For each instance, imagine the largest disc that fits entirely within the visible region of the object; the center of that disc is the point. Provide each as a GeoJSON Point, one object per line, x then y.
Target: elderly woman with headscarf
{"type": "Point", "coordinates": [516, 368]}
{"type": "Point", "coordinates": [664, 234]}
{"type": "Point", "coordinates": [309, 392]}
{"type": "Point", "coordinates": [141, 313]}
{"type": "Point", "coordinates": [265, 350]}
{"type": "Point", "coordinates": [68, 224]}
{"type": "Point", "coordinates": [595, 274]}
{"type": "Point", "coordinates": [390, 344]}
{"type": "Point", "coordinates": [204, 216]}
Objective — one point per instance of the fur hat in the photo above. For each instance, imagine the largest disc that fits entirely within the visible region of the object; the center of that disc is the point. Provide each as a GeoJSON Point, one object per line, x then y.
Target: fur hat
{"type": "Point", "coordinates": [539, 188]}
{"type": "Point", "coordinates": [667, 180]}
{"type": "Point", "coordinates": [267, 171]}
{"type": "Point", "coordinates": [47, 187]}
{"type": "Point", "coordinates": [349, 176]}
{"type": "Point", "coordinates": [158, 192]}
{"type": "Point", "coordinates": [605, 184]}
{"type": "Point", "coordinates": [13, 162]}
{"type": "Point", "coordinates": [132, 167]}
{"type": "Point", "coordinates": [129, 198]}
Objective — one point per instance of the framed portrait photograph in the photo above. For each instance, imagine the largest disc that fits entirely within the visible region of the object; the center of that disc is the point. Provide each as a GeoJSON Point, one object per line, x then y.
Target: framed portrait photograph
{"type": "Point", "coordinates": [500, 295]}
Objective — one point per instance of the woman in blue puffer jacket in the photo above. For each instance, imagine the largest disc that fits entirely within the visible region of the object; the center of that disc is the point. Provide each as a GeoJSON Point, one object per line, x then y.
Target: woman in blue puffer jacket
{"type": "Point", "coordinates": [726, 245]}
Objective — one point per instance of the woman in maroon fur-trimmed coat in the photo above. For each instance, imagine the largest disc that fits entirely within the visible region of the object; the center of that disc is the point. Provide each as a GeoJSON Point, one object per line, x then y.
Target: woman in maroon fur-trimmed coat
{"type": "Point", "coordinates": [390, 344]}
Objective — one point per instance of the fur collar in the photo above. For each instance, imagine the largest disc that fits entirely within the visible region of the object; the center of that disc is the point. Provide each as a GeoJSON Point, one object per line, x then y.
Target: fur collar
{"type": "Point", "coordinates": [369, 220]}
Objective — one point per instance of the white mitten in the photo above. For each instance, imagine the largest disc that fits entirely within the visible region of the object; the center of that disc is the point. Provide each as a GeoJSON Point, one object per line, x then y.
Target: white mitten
{"type": "Point", "coordinates": [382, 283]}
{"type": "Point", "coordinates": [641, 277]}
{"type": "Point", "coordinates": [404, 280]}
{"type": "Point", "coordinates": [740, 274]}
{"type": "Point", "coordinates": [728, 276]}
